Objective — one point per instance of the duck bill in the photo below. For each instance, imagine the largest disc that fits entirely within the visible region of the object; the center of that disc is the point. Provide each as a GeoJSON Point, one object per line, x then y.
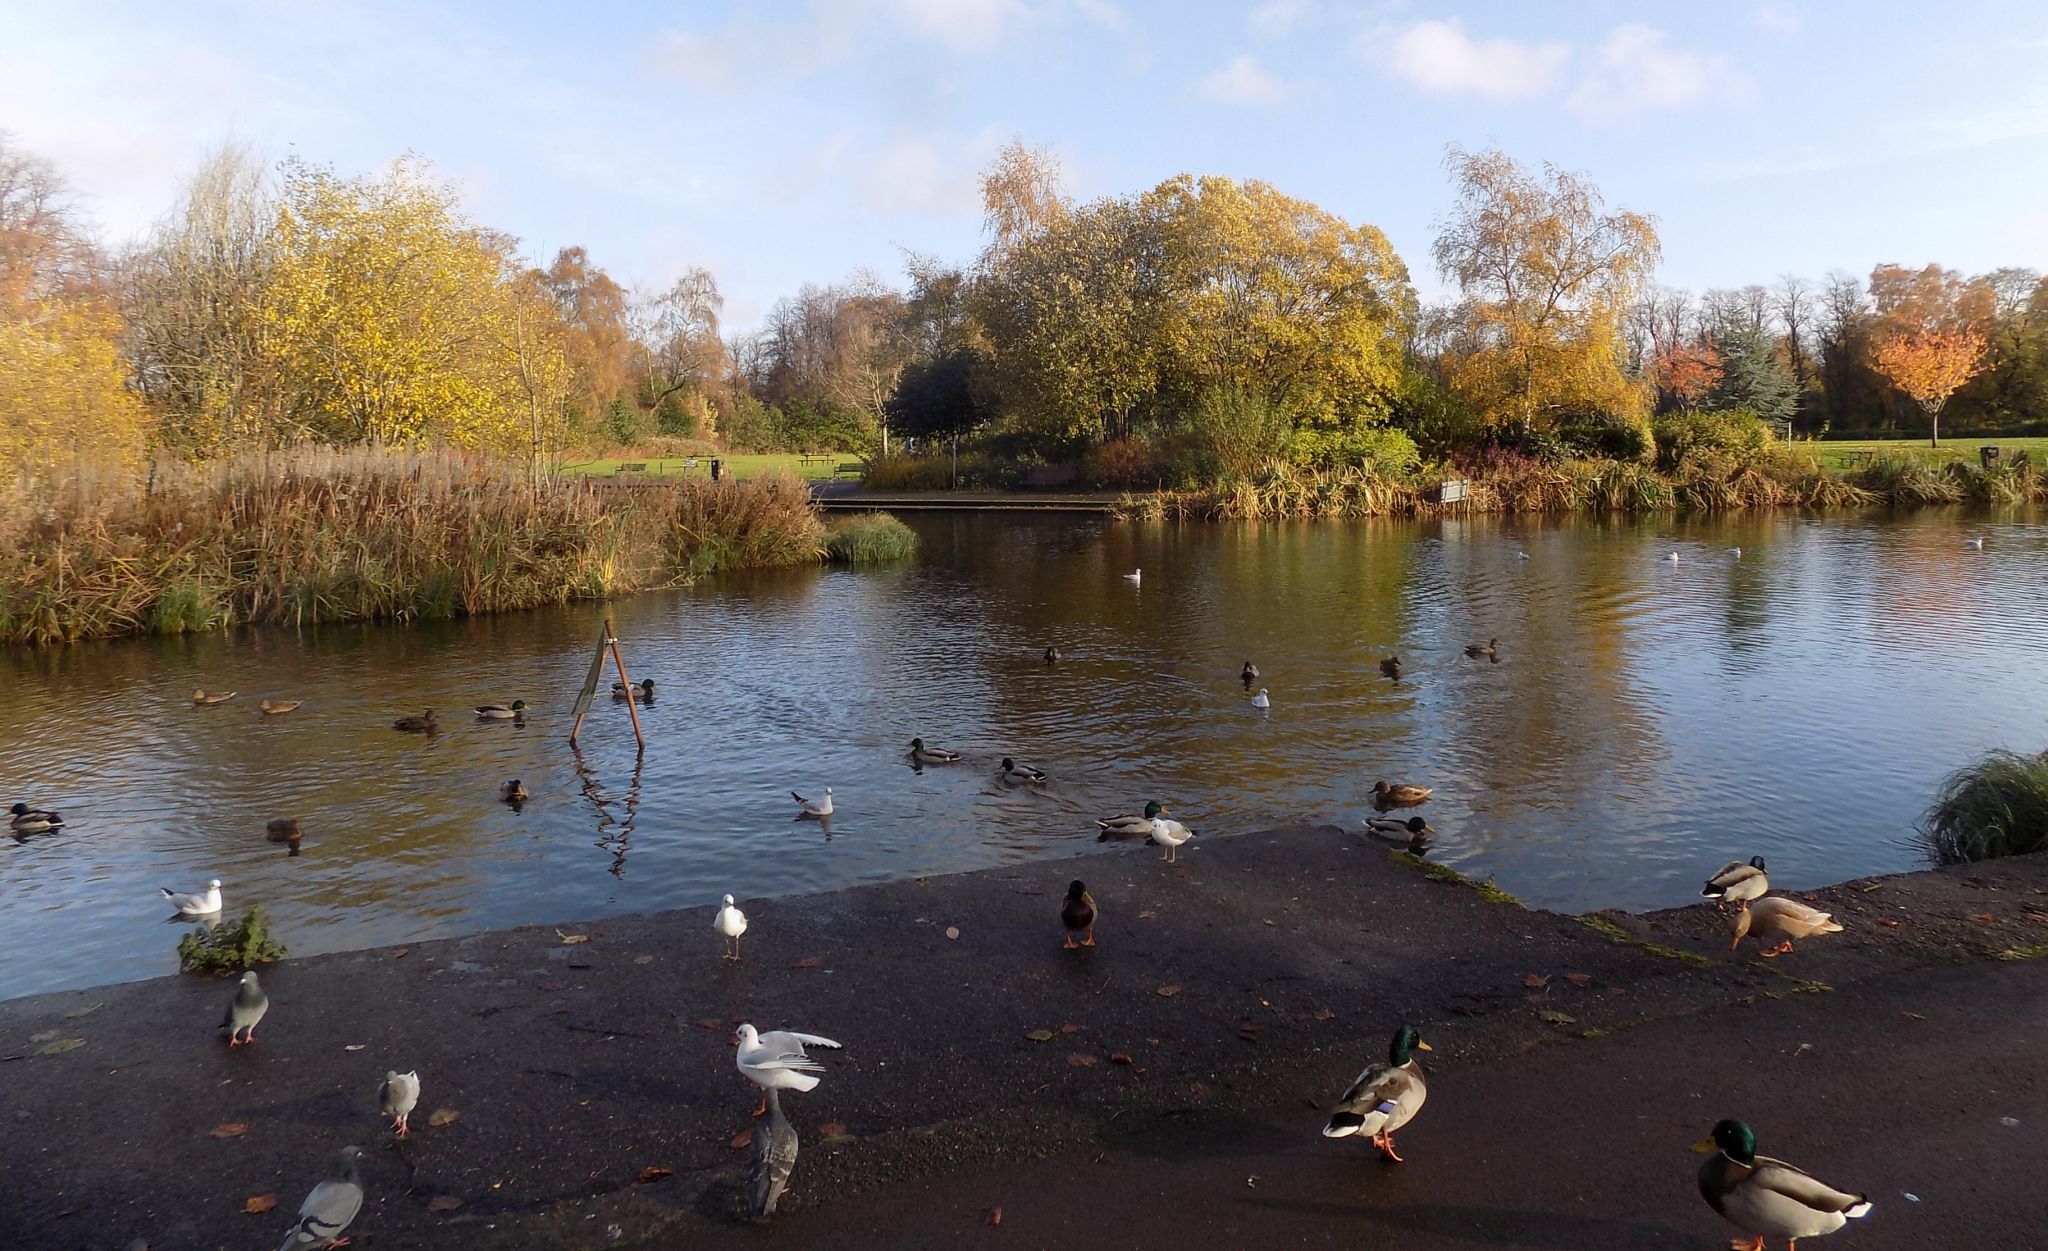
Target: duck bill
{"type": "Point", "coordinates": [1423, 1046]}
{"type": "Point", "coordinates": [1705, 1147]}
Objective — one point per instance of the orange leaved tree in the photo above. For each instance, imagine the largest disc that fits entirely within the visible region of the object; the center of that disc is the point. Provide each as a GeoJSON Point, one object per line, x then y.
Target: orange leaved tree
{"type": "Point", "coordinates": [1930, 366]}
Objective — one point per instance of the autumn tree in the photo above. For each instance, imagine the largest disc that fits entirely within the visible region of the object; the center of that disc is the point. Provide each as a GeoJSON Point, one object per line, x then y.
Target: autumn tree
{"type": "Point", "coordinates": [1929, 366]}
{"type": "Point", "coordinates": [677, 329]}
{"type": "Point", "coordinates": [597, 328]}
{"type": "Point", "coordinates": [1546, 278]}
{"type": "Point", "coordinates": [1687, 372]}
{"type": "Point", "coordinates": [1021, 194]}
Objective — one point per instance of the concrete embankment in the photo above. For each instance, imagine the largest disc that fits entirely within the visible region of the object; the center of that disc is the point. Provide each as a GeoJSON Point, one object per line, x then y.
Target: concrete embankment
{"type": "Point", "coordinates": [1114, 1093]}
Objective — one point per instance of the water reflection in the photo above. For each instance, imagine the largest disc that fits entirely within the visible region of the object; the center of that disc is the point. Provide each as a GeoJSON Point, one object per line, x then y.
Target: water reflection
{"type": "Point", "coordinates": [1645, 721]}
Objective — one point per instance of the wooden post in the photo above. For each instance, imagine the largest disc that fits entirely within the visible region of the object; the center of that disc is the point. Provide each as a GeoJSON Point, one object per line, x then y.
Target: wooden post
{"type": "Point", "coordinates": [626, 682]}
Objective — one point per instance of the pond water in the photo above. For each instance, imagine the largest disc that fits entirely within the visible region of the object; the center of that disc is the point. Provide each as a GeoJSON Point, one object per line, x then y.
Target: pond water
{"type": "Point", "coordinates": [1646, 721]}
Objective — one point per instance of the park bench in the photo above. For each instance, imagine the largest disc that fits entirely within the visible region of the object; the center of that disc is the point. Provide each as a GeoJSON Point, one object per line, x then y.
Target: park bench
{"type": "Point", "coordinates": [852, 468]}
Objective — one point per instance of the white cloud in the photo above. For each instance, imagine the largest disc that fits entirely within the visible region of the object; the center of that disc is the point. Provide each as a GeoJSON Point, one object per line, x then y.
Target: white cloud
{"type": "Point", "coordinates": [1276, 19]}
{"type": "Point", "coordinates": [1635, 70]}
{"type": "Point", "coordinates": [1439, 56]}
{"type": "Point", "coordinates": [1244, 81]}
{"type": "Point", "coordinates": [961, 25]}
{"type": "Point", "coordinates": [912, 176]}
{"type": "Point", "coordinates": [1776, 19]}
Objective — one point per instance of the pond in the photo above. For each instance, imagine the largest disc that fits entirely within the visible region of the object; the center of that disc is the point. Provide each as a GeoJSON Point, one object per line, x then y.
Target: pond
{"type": "Point", "coordinates": [1646, 721]}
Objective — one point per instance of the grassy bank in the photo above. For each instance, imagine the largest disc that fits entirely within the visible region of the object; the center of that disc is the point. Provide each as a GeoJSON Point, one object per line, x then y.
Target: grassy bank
{"type": "Point", "coordinates": [737, 464]}
{"type": "Point", "coordinates": [870, 538]}
{"type": "Point", "coordinates": [1849, 455]}
{"type": "Point", "coordinates": [1995, 807]}
{"type": "Point", "coordinates": [318, 535]}
{"type": "Point", "coordinates": [1783, 477]}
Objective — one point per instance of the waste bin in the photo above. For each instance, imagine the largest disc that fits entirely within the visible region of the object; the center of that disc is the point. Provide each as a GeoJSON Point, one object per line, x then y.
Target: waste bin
{"type": "Point", "coordinates": [717, 469]}
{"type": "Point", "coordinates": [1988, 456]}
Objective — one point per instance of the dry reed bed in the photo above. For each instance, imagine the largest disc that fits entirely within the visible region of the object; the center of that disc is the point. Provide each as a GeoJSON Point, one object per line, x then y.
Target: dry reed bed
{"type": "Point", "coordinates": [363, 534]}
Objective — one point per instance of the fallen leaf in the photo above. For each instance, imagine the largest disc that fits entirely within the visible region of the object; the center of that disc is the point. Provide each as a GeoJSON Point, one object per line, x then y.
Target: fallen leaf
{"type": "Point", "coordinates": [995, 1216]}
{"type": "Point", "coordinates": [1148, 916]}
{"type": "Point", "coordinates": [740, 1140]}
{"type": "Point", "coordinates": [443, 1203]}
{"type": "Point", "coordinates": [257, 1205]}
{"type": "Point", "coordinates": [230, 1129]}
{"type": "Point", "coordinates": [401, 953]}
{"type": "Point", "coordinates": [654, 1173]}
{"type": "Point", "coordinates": [1079, 1060]}
{"type": "Point", "coordinates": [1916, 1016]}
{"type": "Point", "coordinates": [1250, 1030]}
{"type": "Point", "coordinates": [1557, 1018]}
{"type": "Point", "coordinates": [1040, 1035]}
{"type": "Point", "coordinates": [1324, 1014]}
{"type": "Point", "coordinates": [1118, 1057]}
{"type": "Point", "coordinates": [1801, 1050]}
{"type": "Point", "coordinates": [808, 962]}
{"type": "Point", "coordinates": [1985, 916]}
{"type": "Point", "coordinates": [570, 940]}
{"type": "Point", "coordinates": [1167, 992]}
{"type": "Point", "coordinates": [354, 1046]}
{"type": "Point", "coordinates": [61, 1046]}
{"type": "Point", "coordinates": [442, 1116]}
{"type": "Point", "coordinates": [710, 1022]}
{"type": "Point", "coordinates": [1198, 1089]}
{"type": "Point", "coordinates": [73, 1210]}
{"type": "Point", "coordinates": [484, 1012]}
{"type": "Point", "coordinates": [1888, 923]}
{"type": "Point", "coordinates": [643, 959]}
{"type": "Point", "coordinates": [832, 1129]}
{"type": "Point", "coordinates": [1264, 921]}
{"type": "Point", "coordinates": [1535, 981]}
{"type": "Point", "coordinates": [952, 931]}
{"type": "Point", "coordinates": [1580, 980]}
{"type": "Point", "coordinates": [1070, 1028]}
{"type": "Point", "coordinates": [551, 985]}
{"type": "Point", "coordinates": [45, 1036]}
{"type": "Point", "coordinates": [87, 1010]}
{"type": "Point", "coordinates": [1152, 1042]}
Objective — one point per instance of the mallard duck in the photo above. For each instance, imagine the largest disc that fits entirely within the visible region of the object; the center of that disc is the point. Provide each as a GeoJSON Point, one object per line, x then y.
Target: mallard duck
{"type": "Point", "coordinates": [1737, 883]}
{"type": "Point", "coordinates": [502, 712]}
{"type": "Point", "coordinates": [814, 808]}
{"type": "Point", "coordinates": [29, 820]}
{"type": "Point", "coordinates": [1249, 674]}
{"type": "Point", "coordinates": [1130, 827]}
{"type": "Point", "coordinates": [1020, 775]}
{"type": "Point", "coordinates": [730, 922]}
{"type": "Point", "coordinates": [642, 690]}
{"type": "Point", "coordinates": [1775, 916]}
{"type": "Point", "coordinates": [1414, 831]}
{"type": "Point", "coordinates": [1391, 666]}
{"type": "Point", "coordinates": [277, 707]}
{"type": "Point", "coordinates": [1400, 793]}
{"type": "Point", "coordinates": [1490, 647]}
{"type": "Point", "coordinates": [1135, 576]}
{"type": "Point", "coordinates": [1077, 915]}
{"type": "Point", "coordinates": [1262, 699]}
{"type": "Point", "coordinates": [283, 830]}
{"type": "Point", "coordinates": [425, 723]}
{"type": "Point", "coordinates": [1052, 655]}
{"type": "Point", "coordinates": [513, 792]}
{"type": "Point", "coordinates": [931, 755]}
{"type": "Point", "coordinates": [1768, 1198]}
{"type": "Point", "coordinates": [1384, 1097]}
{"type": "Point", "coordinates": [1170, 834]}
{"type": "Point", "coordinates": [218, 697]}
{"type": "Point", "coordinates": [194, 905]}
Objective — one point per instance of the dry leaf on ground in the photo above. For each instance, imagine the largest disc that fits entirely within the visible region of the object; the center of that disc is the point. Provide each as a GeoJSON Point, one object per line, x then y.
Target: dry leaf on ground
{"type": "Point", "coordinates": [830, 1130]}
{"type": "Point", "coordinates": [1040, 1035]}
{"type": "Point", "coordinates": [808, 962]}
{"type": "Point", "coordinates": [1118, 1057]}
{"type": "Point", "coordinates": [1167, 992]}
{"type": "Point", "coordinates": [443, 1203]}
{"type": "Point", "coordinates": [1070, 1028]}
{"type": "Point", "coordinates": [257, 1205]}
{"type": "Point", "coordinates": [442, 1116]}
{"type": "Point", "coordinates": [570, 940]}
{"type": "Point", "coordinates": [1535, 981]}
{"type": "Point", "coordinates": [230, 1129]}
{"type": "Point", "coordinates": [740, 1140]}
{"type": "Point", "coordinates": [1324, 1014]}
{"type": "Point", "coordinates": [995, 1216]}
{"type": "Point", "coordinates": [643, 959]}
{"type": "Point", "coordinates": [1580, 980]}
{"type": "Point", "coordinates": [1079, 1060]}
{"type": "Point", "coordinates": [952, 931]}
{"type": "Point", "coordinates": [654, 1173]}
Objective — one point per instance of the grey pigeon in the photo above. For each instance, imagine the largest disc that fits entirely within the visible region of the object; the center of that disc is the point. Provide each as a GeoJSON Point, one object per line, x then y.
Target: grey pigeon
{"type": "Point", "coordinates": [329, 1207]}
{"type": "Point", "coordinates": [397, 1098]}
{"type": "Point", "coordinates": [774, 1157]}
{"type": "Point", "coordinates": [248, 1008]}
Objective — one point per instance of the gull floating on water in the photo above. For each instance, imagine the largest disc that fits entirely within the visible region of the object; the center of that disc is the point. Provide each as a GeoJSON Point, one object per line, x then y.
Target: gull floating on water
{"type": "Point", "coordinates": [194, 905]}
{"type": "Point", "coordinates": [731, 923]}
{"type": "Point", "coordinates": [1736, 552]}
{"type": "Point", "coordinates": [1975, 545]}
{"type": "Point", "coordinates": [1262, 700]}
{"type": "Point", "coordinates": [814, 808]}
{"type": "Point", "coordinates": [1673, 558]}
{"type": "Point", "coordinates": [1134, 576]}
{"type": "Point", "coordinates": [1521, 555]}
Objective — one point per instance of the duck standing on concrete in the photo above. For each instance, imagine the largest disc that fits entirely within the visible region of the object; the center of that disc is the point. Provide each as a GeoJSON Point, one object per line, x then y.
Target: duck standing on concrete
{"type": "Point", "coordinates": [1077, 915]}
{"type": "Point", "coordinates": [1763, 1197]}
{"type": "Point", "coordinates": [1775, 916]}
{"type": "Point", "coordinates": [1384, 1097]}
{"type": "Point", "coordinates": [1737, 883]}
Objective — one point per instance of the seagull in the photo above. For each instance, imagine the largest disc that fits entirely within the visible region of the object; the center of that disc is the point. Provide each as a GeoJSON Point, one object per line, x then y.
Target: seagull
{"type": "Point", "coordinates": [1673, 558]}
{"type": "Point", "coordinates": [1170, 834]}
{"type": "Point", "coordinates": [1262, 700]}
{"type": "Point", "coordinates": [776, 1060]}
{"type": "Point", "coordinates": [195, 905]}
{"type": "Point", "coordinates": [818, 808]}
{"type": "Point", "coordinates": [1975, 545]}
{"type": "Point", "coordinates": [732, 923]}
{"type": "Point", "coordinates": [775, 1147]}
{"type": "Point", "coordinates": [329, 1207]}
{"type": "Point", "coordinates": [398, 1096]}
{"type": "Point", "coordinates": [246, 1009]}
{"type": "Point", "coordinates": [1736, 552]}
{"type": "Point", "coordinates": [1134, 576]}
{"type": "Point", "coordinates": [27, 820]}
{"type": "Point", "coordinates": [1521, 555]}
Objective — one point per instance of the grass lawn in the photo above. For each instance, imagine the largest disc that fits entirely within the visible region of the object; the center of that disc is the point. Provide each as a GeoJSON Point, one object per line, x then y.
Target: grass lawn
{"type": "Point", "coordinates": [737, 464]}
{"type": "Point", "coordinates": [1852, 454]}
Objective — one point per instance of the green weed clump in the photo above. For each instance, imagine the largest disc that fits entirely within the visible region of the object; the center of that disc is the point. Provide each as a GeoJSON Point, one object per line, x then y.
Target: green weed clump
{"type": "Point", "coordinates": [1995, 807]}
{"type": "Point", "coordinates": [231, 946]}
{"type": "Point", "coordinates": [870, 538]}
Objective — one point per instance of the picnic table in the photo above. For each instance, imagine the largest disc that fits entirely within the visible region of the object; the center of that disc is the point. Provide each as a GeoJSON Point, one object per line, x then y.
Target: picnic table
{"type": "Point", "coordinates": [815, 458]}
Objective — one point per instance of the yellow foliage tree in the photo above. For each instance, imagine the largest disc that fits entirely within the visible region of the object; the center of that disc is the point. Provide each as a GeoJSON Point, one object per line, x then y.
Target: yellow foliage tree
{"type": "Point", "coordinates": [1930, 366]}
{"type": "Point", "coordinates": [63, 387]}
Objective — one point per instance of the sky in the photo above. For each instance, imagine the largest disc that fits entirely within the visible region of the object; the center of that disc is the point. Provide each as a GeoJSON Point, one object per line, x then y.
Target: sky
{"type": "Point", "coordinates": [783, 143]}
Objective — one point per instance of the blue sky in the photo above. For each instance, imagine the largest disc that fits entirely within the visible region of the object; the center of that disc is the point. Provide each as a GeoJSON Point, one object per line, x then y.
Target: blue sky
{"type": "Point", "coordinates": [790, 142]}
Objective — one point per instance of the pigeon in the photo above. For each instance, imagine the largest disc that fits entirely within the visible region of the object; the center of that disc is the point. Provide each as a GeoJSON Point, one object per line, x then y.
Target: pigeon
{"type": "Point", "coordinates": [774, 1158]}
{"type": "Point", "coordinates": [776, 1060]}
{"type": "Point", "coordinates": [249, 1005]}
{"type": "Point", "coordinates": [814, 808]}
{"type": "Point", "coordinates": [732, 923]}
{"type": "Point", "coordinates": [194, 905]}
{"type": "Point", "coordinates": [329, 1207]}
{"type": "Point", "coordinates": [396, 1099]}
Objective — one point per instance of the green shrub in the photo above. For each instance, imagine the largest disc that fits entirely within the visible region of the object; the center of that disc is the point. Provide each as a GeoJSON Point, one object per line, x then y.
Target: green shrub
{"type": "Point", "coordinates": [1384, 448]}
{"type": "Point", "coordinates": [1995, 807]}
{"type": "Point", "coordinates": [1607, 439]}
{"type": "Point", "coordinates": [1240, 430]}
{"type": "Point", "coordinates": [1740, 434]}
{"type": "Point", "coordinates": [1122, 464]}
{"type": "Point", "coordinates": [231, 946]}
{"type": "Point", "coordinates": [870, 538]}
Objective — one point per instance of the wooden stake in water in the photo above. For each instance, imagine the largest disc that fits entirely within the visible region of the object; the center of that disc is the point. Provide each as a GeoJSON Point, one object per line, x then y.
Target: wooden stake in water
{"type": "Point", "coordinates": [607, 643]}
{"type": "Point", "coordinates": [626, 682]}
